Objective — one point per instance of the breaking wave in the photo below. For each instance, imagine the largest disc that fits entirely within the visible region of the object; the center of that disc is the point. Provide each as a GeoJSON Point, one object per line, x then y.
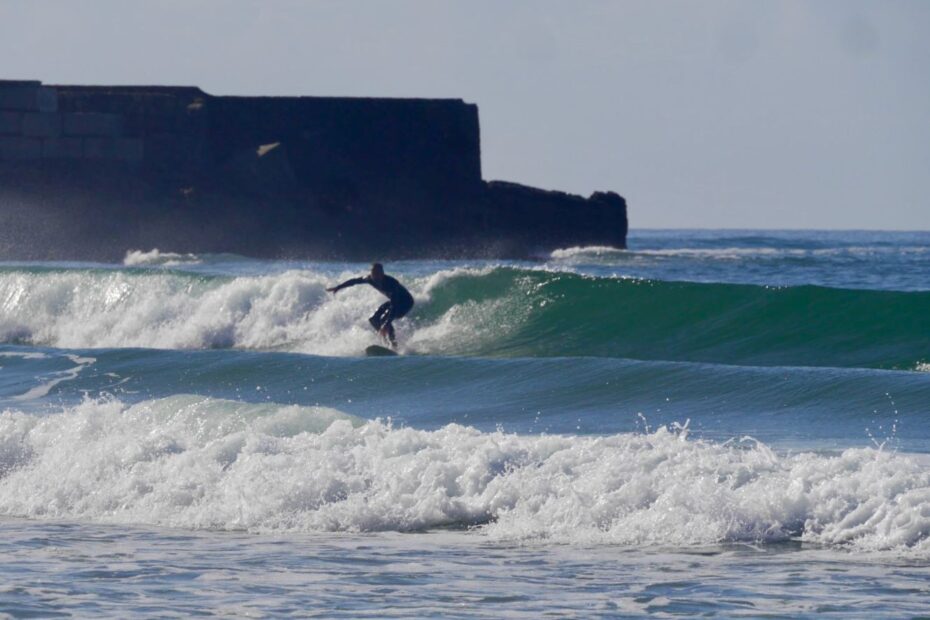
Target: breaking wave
{"type": "Point", "coordinates": [195, 462]}
{"type": "Point", "coordinates": [495, 311]}
{"type": "Point", "coordinates": [136, 258]}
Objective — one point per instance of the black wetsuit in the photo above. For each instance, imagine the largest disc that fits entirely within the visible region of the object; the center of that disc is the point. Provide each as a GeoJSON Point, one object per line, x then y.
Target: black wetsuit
{"type": "Point", "coordinates": [399, 303]}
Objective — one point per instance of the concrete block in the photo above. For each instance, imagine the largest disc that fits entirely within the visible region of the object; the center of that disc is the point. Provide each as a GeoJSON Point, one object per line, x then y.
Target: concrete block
{"type": "Point", "coordinates": [28, 97]}
{"type": "Point", "coordinates": [48, 99]}
{"type": "Point", "coordinates": [129, 149]}
{"type": "Point", "coordinates": [18, 97]}
{"type": "Point", "coordinates": [99, 148]}
{"type": "Point", "coordinates": [41, 124]}
{"type": "Point", "coordinates": [93, 124]}
{"type": "Point", "coordinates": [123, 149]}
{"type": "Point", "coordinates": [62, 148]}
{"type": "Point", "coordinates": [4, 83]}
{"type": "Point", "coordinates": [11, 123]}
{"type": "Point", "coordinates": [16, 147]}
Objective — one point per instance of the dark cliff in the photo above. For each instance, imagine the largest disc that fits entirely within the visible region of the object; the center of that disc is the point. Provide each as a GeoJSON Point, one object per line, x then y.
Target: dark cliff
{"type": "Point", "coordinates": [91, 172]}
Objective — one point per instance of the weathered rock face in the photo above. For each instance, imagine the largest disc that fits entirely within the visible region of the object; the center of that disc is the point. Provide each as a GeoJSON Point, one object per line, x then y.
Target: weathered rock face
{"type": "Point", "coordinates": [539, 219]}
{"type": "Point", "coordinates": [91, 172]}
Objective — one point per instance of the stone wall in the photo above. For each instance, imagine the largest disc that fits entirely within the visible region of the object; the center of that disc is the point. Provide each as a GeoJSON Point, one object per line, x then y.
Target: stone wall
{"type": "Point", "coordinates": [354, 147]}
{"type": "Point", "coordinates": [359, 147]}
{"type": "Point", "coordinates": [89, 172]}
{"type": "Point", "coordinates": [171, 123]}
{"type": "Point", "coordinates": [32, 127]}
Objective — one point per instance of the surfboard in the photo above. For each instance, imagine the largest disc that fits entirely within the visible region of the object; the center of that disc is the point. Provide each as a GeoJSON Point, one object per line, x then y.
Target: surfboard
{"type": "Point", "coordinates": [376, 350]}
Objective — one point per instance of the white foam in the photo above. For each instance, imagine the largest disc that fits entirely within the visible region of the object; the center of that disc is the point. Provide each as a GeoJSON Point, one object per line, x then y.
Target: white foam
{"type": "Point", "coordinates": [471, 323]}
{"type": "Point", "coordinates": [426, 286]}
{"type": "Point", "coordinates": [585, 251]}
{"type": "Point", "coordinates": [195, 462]}
{"type": "Point", "coordinates": [286, 311]}
{"type": "Point", "coordinates": [26, 355]}
{"type": "Point", "coordinates": [139, 258]}
{"type": "Point", "coordinates": [65, 375]}
{"type": "Point", "coordinates": [580, 254]}
{"type": "Point", "coordinates": [724, 253]}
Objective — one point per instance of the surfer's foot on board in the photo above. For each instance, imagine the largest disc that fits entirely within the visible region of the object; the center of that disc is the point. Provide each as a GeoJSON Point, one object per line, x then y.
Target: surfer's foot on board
{"type": "Point", "coordinates": [388, 337]}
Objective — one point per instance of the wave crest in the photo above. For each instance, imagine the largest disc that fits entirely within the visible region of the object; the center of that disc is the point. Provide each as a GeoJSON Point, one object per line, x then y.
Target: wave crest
{"type": "Point", "coordinates": [138, 258]}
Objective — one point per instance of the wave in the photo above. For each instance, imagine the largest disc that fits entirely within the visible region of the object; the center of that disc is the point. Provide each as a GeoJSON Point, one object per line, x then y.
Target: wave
{"type": "Point", "coordinates": [516, 312]}
{"type": "Point", "coordinates": [195, 462]}
{"type": "Point", "coordinates": [177, 310]}
{"type": "Point", "coordinates": [136, 258]}
{"type": "Point", "coordinates": [885, 264]}
{"type": "Point", "coordinates": [786, 407]}
{"type": "Point", "coordinates": [157, 258]}
{"type": "Point", "coordinates": [735, 253]}
{"type": "Point", "coordinates": [494, 311]}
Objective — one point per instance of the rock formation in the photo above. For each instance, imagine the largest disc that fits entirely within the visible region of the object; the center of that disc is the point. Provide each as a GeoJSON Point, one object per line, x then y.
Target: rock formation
{"type": "Point", "coordinates": [89, 172]}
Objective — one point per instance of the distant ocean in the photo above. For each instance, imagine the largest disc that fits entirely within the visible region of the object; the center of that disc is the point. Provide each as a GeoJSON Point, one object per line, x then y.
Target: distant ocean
{"type": "Point", "coordinates": [719, 423]}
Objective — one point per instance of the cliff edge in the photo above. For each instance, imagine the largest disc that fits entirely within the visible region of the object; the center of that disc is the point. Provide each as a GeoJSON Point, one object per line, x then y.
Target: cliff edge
{"type": "Point", "coordinates": [90, 172]}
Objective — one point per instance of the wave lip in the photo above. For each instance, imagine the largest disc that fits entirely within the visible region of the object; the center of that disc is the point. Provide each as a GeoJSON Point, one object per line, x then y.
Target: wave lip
{"type": "Point", "coordinates": [196, 462]}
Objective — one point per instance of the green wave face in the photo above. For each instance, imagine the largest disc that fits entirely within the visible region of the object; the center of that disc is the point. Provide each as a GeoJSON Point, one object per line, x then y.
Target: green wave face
{"type": "Point", "coordinates": [537, 313]}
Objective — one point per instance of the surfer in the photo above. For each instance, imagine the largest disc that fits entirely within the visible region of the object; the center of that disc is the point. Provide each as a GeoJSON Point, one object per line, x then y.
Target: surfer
{"type": "Point", "coordinates": [399, 303]}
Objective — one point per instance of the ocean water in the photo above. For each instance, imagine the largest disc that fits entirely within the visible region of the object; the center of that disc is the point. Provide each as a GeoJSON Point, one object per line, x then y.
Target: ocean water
{"type": "Point", "coordinates": [715, 423]}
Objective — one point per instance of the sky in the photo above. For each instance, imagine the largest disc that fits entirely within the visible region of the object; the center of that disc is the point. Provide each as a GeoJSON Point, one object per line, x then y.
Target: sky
{"type": "Point", "coordinates": [710, 114]}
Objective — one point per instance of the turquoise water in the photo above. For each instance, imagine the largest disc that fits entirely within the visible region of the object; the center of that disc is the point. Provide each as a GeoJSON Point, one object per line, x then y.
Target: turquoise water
{"type": "Point", "coordinates": [711, 422]}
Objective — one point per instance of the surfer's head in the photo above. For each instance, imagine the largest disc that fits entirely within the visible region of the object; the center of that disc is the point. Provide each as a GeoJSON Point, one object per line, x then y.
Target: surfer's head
{"type": "Point", "coordinates": [377, 271]}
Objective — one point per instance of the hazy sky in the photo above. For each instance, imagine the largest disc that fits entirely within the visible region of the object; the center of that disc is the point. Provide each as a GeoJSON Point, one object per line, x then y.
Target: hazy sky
{"type": "Point", "coordinates": [757, 114]}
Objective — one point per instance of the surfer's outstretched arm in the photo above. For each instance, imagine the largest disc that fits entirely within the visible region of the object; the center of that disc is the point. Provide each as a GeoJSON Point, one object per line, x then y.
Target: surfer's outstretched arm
{"type": "Point", "coordinates": [347, 284]}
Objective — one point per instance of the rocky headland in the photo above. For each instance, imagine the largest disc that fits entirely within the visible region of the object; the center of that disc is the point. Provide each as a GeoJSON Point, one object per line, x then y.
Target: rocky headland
{"type": "Point", "coordinates": [90, 172]}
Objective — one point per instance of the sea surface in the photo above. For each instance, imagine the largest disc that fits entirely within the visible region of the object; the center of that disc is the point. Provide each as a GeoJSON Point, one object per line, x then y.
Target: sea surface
{"type": "Point", "coordinates": [714, 423]}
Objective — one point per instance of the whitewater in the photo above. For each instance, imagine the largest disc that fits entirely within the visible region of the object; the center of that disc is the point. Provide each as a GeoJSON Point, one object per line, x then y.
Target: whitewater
{"type": "Point", "coordinates": [721, 423]}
